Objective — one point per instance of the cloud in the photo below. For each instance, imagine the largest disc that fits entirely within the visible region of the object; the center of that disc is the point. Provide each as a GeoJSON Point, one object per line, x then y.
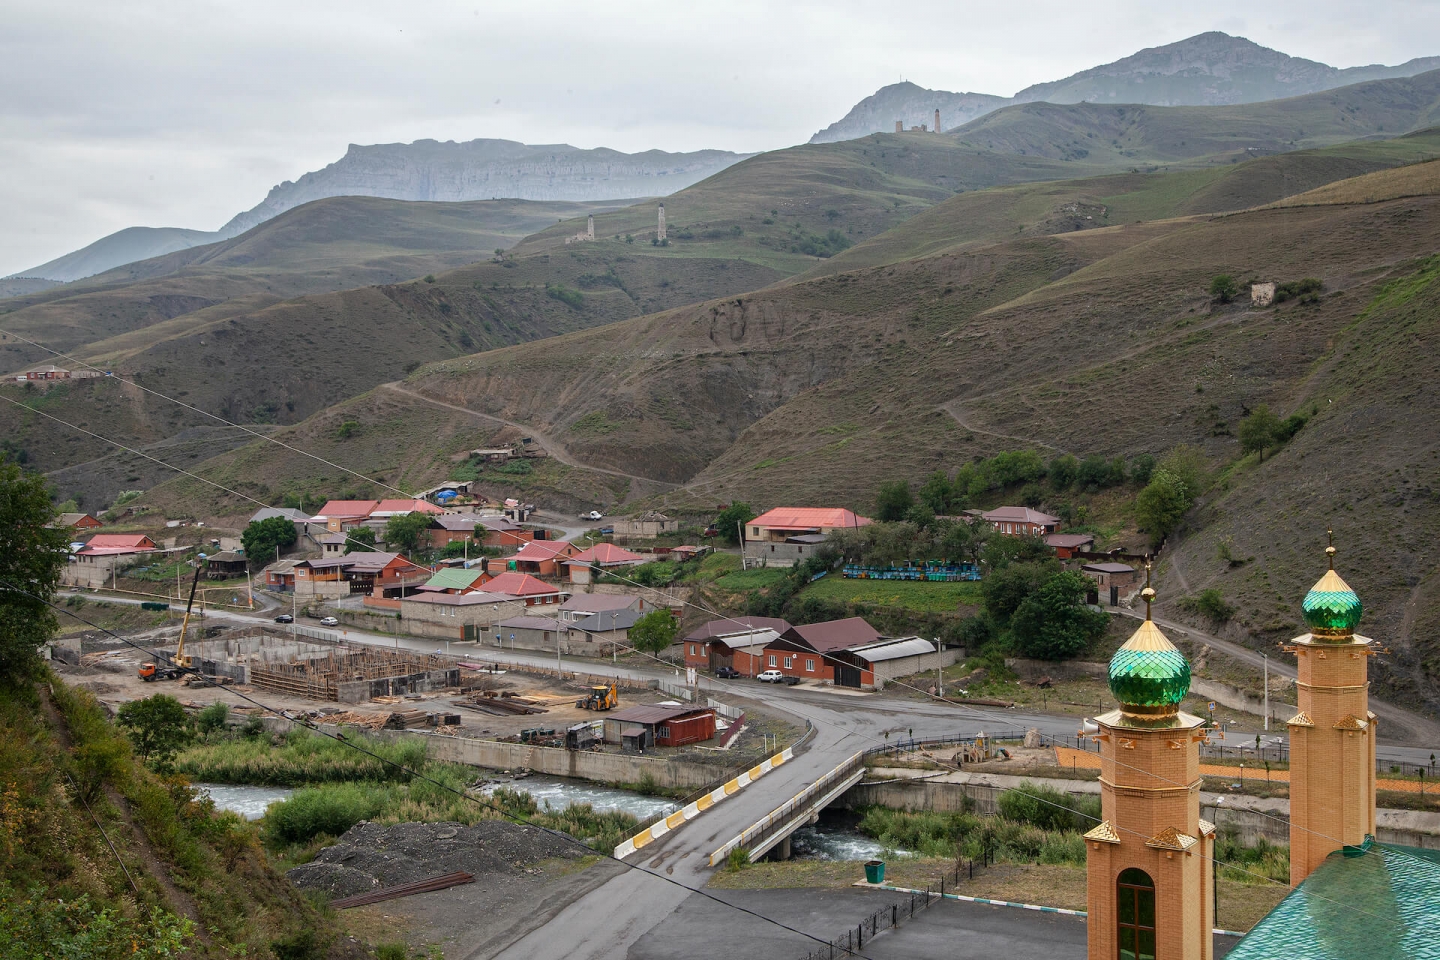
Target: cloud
{"type": "Point", "coordinates": [217, 102]}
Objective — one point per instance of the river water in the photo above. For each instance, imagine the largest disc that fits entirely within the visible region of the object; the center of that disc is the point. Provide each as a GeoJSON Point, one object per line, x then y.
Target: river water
{"type": "Point", "coordinates": [560, 793]}
{"type": "Point", "coordinates": [835, 837]}
{"type": "Point", "coordinates": [249, 802]}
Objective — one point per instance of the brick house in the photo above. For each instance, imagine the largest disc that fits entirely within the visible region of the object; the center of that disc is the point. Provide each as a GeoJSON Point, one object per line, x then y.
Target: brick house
{"type": "Point", "coordinates": [1021, 521]}
{"type": "Point", "coordinates": [338, 515]}
{"type": "Point", "coordinates": [804, 651]}
{"type": "Point", "coordinates": [542, 558]}
{"type": "Point", "coordinates": [75, 521]}
{"type": "Point", "coordinates": [735, 642]}
{"type": "Point", "coordinates": [1114, 579]}
{"type": "Point", "coordinates": [602, 556]}
{"type": "Point", "coordinates": [97, 562]}
{"type": "Point", "coordinates": [1067, 545]}
{"type": "Point", "coordinates": [383, 576]}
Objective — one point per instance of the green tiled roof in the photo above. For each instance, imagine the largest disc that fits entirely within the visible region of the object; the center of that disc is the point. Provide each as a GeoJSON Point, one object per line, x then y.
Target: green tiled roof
{"type": "Point", "coordinates": [1379, 904]}
{"type": "Point", "coordinates": [453, 578]}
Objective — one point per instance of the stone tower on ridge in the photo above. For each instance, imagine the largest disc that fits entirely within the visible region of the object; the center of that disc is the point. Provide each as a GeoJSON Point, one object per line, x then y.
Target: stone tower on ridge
{"type": "Point", "coordinates": [660, 230]}
{"type": "Point", "coordinates": [937, 119]}
{"type": "Point", "coordinates": [590, 226]}
{"type": "Point", "coordinates": [1150, 863]}
{"type": "Point", "coordinates": [1332, 736]}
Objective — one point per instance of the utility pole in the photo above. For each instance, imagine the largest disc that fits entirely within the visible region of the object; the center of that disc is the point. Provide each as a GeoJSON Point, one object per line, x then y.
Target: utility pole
{"type": "Point", "coordinates": [1266, 658]}
{"type": "Point", "coordinates": [740, 529]}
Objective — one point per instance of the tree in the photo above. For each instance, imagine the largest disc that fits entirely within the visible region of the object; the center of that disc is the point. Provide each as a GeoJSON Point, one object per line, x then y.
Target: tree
{"type": "Point", "coordinates": [212, 718]}
{"type": "Point", "coordinates": [1062, 471]}
{"type": "Point", "coordinates": [1002, 550]}
{"type": "Point", "coordinates": [31, 558]}
{"type": "Point", "coordinates": [1009, 587]}
{"type": "Point", "coordinates": [1259, 430]}
{"type": "Point", "coordinates": [893, 501]}
{"type": "Point", "coordinates": [1224, 288]}
{"type": "Point", "coordinates": [937, 492]}
{"type": "Point", "coordinates": [261, 538]}
{"type": "Point", "coordinates": [1053, 623]}
{"type": "Point", "coordinates": [1141, 468]}
{"type": "Point", "coordinates": [731, 519]}
{"type": "Point", "coordinates": [359, 538]}
{"type": "Point", "coordinates": [156, 725]}
{"type": "Point", "coordinates": [654, 632]}
{"type": "Point", "coordinates": [1161, 504]}
{"type": "Point", "coordinates": [404, 532]}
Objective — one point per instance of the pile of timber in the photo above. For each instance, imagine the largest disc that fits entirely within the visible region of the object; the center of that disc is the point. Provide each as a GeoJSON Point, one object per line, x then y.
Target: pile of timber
{"type": "Point", "coordinates": [406, 719]}
{"type": "Point", "coordinates": [403, 890]}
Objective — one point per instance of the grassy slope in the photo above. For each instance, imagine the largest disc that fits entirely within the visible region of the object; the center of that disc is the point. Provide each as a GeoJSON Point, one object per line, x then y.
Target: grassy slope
{"type": "Point", "coordinates": [183, 857]}
{"type": "Point", "coordinates": [817, 391]}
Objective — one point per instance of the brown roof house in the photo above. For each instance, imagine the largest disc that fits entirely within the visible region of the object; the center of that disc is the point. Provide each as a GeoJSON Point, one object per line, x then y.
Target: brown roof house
{"type": "Point", "coordinates": [804, 651]}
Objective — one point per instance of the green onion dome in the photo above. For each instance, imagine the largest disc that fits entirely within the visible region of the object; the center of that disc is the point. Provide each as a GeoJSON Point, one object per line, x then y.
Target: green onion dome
{"type": "Point", "coordinates": [1147, 674]}
{"type": "Point", "coordinates": [1332, 610]}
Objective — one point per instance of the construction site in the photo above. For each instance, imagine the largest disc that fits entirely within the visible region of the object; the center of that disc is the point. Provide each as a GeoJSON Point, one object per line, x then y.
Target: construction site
{"type": "Point", "coordinates": [347, 683]}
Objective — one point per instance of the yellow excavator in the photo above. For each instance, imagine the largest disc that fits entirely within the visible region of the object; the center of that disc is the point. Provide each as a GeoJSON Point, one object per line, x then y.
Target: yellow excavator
{"type": "Point", "coordinates": [600, 698]}
{"type": "Point", "coordinates": [181, 663]}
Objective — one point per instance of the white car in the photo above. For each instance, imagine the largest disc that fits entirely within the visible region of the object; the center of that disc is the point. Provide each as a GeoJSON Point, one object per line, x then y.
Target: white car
{"type": "Point", "coordinates": [592, 515]}
{"type": "Point", "coordinates": [771, 676]}
{"type": "Point", "coordinates": [329, 622]}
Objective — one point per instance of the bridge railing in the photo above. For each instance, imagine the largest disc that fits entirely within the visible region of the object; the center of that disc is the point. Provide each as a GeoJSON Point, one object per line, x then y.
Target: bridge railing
{"type": "Point", "coordinates": [759, 831]}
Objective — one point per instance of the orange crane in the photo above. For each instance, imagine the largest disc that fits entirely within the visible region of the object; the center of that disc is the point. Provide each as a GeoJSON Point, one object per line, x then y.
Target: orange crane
{"type": "Point", "coordinates": [181, 663]}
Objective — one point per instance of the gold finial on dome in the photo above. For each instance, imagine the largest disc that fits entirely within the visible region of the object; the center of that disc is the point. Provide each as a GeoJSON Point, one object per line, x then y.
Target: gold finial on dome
{"type": "Point", "coordinates": [1148, 594]}
{"type": "Point", "coordinates": [1330, 550]}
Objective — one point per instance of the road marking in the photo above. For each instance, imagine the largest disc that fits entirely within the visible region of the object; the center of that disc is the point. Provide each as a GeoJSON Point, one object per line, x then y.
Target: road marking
{"type": "Point", "coordinates": [692, 810]}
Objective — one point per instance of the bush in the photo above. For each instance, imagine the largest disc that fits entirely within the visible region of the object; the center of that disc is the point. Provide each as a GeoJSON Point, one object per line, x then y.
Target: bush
{"type": "Point", "coordinates": [392, 951]}
{"type": "Point", "coordinates": [571, 298]}
{"type": "Point", "coordinates": [893, 501]}
{"type": "Point", "coordinates": [39, 925]}
{"type": "Point", "coordinates": [213, 718]}
{"type": "Point", "coordinates": [1209, 603]}
{"type": "Point", "coordinates": [1053, 623]}
{"type": "Point", "coordinates": [1141, 469]}
{"type": "Point", "coordinates": [323, 811]}
{"type": "Point", "coordinates": [1161, 504]}
{"type": "Point", "coordinates": [1223, 288]}
{"type": "Point", "coordinates": [1049, 809]}
{"type": "Point", "coordinates": [157, 726]}
{"type": "Point", "coordinates": [1304, 290]}
{"type": "Point", "coordinates": [729, 520]}
{"type": "Point", "coordinates": [347, 430]}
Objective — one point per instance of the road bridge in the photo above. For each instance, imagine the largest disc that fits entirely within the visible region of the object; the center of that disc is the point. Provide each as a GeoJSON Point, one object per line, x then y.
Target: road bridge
{"type": "Point", "coordinates": [776, 826]}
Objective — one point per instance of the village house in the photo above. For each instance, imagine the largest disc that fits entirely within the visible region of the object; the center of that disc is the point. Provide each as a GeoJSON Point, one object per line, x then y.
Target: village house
{"type": "Point", "coordinates": [786, 536]}
{"type": "Point", "coordinates": [609, 626]}
{"type": "Point", "coordinates": [533, 633]}
{"type": "Point", "coordinates": [1020, 521]}
{"type": "Point", "coordinates": [639, 728]}
{"type": "Point", "coordinates": [299, 518]}
{"type": "Point", "coordinates": [584, 605]}
{"type": "Point", "coordinates": [280, 576]}
{"type": "Point", "coordinates": [869, 665]}
{"type": "Point", "coordinates": [533, 591]}
{"type": "Point", "coordinates": [502, 532]}
{"type": "Point", "coordinates": [334, 544]}
{"type": "Point", "coordinates": [338, 515]}
{"type": "Point", "coordinates": [453, 580]}
{"type": "Point", "coordinates": [448, 528]}
{"type": "Point", "coordinates": [1114, 579]}
{"type": "Point", "coordinates": [728, 642]}
{"type": "Point", "coordinates": [225, 564]}
{"type": "Point", "coordinates": [585, 565]}
{"type": "Point", "coordinates": [1067, 545]}
{"type": "Point", "coordinates": [804, 651]}
{"type": "Point", "coordinates": [97, 563]}
{"type": "Point", "coordinates": [75, 521]}
{"type": "Point", "coordinates": [458, 616]}
{"type": "Point", "coordinates": [379, 575]}
{"type": "Point", "coordinates": [386, 509]}
{"type": "Point", "coordinates": [646, 526]}
{"type": "Point", "coordinates": [542, 558]}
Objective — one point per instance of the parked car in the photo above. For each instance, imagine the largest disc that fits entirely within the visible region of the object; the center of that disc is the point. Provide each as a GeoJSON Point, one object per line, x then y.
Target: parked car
{"type": "Point", "coordinates": [592, 515]}
{"type": "Point", "coordinates": [606, 531]}
{"type": "Point", "coordinates": [284, 618]}
{"type": "Point", "coordinates": [771, 676]}
{"type": "Point", "coordinates": [790, 681]}
{"type": "Point", "coordinates": [727, 673]}
{"type": "Point", "coordinates": [329, 622]}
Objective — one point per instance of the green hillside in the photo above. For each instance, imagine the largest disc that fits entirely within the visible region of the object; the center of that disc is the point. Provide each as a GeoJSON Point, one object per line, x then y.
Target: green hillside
{"type": "Point", "coordinates": [1096, 342]}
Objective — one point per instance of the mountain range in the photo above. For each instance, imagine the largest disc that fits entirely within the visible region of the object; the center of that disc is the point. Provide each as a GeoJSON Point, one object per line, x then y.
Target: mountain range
{"type": "Point", "coordinates": [427, 170]}
{"type": "Point", "coordinates": [1210, 69]}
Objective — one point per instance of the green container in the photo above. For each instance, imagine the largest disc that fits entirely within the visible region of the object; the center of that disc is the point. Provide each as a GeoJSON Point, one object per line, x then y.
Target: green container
{"type": "Point", "coordinates": [875, 871]}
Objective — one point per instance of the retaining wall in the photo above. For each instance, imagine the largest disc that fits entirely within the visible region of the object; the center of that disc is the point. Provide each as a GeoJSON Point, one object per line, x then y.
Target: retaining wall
{"type": "Point", "coordinates": [584, 764]}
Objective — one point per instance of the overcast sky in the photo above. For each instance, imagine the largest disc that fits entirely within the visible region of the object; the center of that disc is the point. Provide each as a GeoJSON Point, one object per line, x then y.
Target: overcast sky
{"type": "Point", "coordinates": [156, 113]}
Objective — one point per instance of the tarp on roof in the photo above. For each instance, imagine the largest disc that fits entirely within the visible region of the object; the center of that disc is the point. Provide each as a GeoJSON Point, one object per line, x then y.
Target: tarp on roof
{"type": "Point", "coordinates": [1377, 901]}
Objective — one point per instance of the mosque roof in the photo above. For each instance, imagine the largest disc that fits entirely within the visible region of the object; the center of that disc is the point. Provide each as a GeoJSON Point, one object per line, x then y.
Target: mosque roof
{"type": "Point", "coordinates": [1147, 671]}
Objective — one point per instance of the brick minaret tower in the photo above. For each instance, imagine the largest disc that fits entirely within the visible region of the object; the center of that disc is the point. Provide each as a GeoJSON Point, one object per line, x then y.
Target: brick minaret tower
{"type": "Point", "coordinates": [1332, 737]}
{"type": "Point", "coordinates": [660, 231]}
{"type": "Point", "coordinates": [1149, 865]}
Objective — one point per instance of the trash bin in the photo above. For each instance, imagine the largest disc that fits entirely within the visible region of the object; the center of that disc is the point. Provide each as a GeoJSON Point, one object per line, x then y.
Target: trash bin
{"type": "Point", "coordinates": [875, 871]}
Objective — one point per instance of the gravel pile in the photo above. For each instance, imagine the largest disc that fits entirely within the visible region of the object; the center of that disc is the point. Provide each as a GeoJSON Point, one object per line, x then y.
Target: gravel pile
{"type": "Point", "coordinates": [371, 855]}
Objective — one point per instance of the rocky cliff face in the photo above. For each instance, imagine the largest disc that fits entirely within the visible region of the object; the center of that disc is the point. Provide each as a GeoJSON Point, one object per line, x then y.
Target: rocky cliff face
{"type": "Point", "coordinates": [488, 169]}
{"type": "Point", "coordinates": [1210, 69]}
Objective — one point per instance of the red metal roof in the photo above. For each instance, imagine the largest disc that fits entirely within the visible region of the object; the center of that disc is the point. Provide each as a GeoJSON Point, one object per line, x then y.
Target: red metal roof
{"type": "Point", "coordinates": [519, 585]}
{"type": "Point", "coordinates": [544, 550]}
{"type": "Point", "coordinates": [605, 553]}
{"type": "Point", "coordinates": [809, 518]}
{"type": "Point", "coordinates": [346, 509]}
{"type": "Point", "coordinates": [405, 506]}
{"type": "Point", "coordinates": [112, 541]}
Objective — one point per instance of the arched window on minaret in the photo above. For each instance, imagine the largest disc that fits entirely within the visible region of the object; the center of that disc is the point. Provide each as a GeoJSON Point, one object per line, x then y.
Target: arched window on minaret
{"type": "Point", "coordinates": [1135, 915]}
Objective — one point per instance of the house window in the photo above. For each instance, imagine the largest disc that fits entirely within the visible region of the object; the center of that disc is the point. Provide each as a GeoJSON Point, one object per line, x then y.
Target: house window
{"type": "Point", "coordinates": [663, 733]}
{"type": "Point", "coordinates": [772, 659]}
{"type": "Point", "coordinates": [788, 662]}
{"type": "Point", "coordinates": [692, 650]}
{"type": "Point", "coordinates": [1136, 915]}
{"type": "Point", "coordinates": [809, 666]}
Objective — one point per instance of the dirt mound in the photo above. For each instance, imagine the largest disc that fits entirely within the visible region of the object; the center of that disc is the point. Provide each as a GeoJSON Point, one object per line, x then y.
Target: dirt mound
{"type": "Point", "coordinates": [371, 855]}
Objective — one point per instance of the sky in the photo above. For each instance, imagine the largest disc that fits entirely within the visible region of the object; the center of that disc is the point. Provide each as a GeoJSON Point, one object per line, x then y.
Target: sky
{"type": "Point", "coordinates": [160, 113]}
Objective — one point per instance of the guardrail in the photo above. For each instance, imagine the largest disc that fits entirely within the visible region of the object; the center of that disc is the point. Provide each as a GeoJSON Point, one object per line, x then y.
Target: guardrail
{"type": "Point", "coordinates": [756, 833]}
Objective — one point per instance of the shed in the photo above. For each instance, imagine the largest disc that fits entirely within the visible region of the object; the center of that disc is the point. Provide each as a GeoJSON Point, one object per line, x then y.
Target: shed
{"type": "Point", "coordinates": [1114, 578]}
{"type": "Point", "coordinates": [889, 658]}
{"type": "Point", "coordinates": [228, 563]}
{"type": "Point", "coordinates": [664, 726]}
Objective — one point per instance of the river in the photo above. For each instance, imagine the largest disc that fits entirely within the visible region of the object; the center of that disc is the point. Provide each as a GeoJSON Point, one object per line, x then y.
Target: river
{"type": "Point", "coordinates": [560, 793]}
{"type": "Point", "coordinates": [249, 802]}
{"type": "Point", "coordinates": [836, 837]}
